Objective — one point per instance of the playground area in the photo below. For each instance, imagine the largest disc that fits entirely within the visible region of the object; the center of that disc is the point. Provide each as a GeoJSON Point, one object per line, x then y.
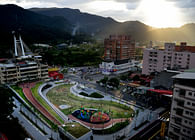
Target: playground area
{"type": "Point", "coordinates": [61, 95]}
{"type": "Point", "coordinates": [91, 116]}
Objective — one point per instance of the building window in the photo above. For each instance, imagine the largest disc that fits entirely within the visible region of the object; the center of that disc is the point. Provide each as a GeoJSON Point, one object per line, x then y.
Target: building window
{"type": "Point", "coordinates": [186, 121]}
{"type": "Point", "coordinates": [190, 93]}
{"type": "Point", "coordinates": [193, 104]}
{"type": "Point", "coordinates": [187, 112]}
{"type": "Point", "coordinates": [191, 114]}
{"type": "Point", "coordinates": [182, 92]}
{"type": "Point", "coordinates": [188, 103]}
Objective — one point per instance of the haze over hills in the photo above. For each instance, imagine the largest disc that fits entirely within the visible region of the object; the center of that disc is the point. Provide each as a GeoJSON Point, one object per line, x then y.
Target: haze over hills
{"type": "Point", "coordinates": [102, 27]}
{"type": "Point", "coordinates": [51, 24]}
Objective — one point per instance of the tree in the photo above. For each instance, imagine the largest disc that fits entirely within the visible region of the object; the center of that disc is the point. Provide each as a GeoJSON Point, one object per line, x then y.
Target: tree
{"type": "Point", "coordinates": [114, 82]}
{"type": "Point", "coordinates": [124, 77]}
{"type": "Point", "coordinates": [104, 80]}
{"type": "Point", "coordinates": [6, 103]}
{"type": "Point", "coordinates": [136, 78]}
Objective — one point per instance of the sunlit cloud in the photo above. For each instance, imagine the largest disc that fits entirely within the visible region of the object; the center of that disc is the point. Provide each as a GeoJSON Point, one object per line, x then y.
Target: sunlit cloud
{"type": "Point", "coordinates": [159, 13]}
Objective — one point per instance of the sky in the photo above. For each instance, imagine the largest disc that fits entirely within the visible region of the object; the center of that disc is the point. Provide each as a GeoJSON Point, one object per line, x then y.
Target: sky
{"type": "Point", "coordinates": [156, 13]}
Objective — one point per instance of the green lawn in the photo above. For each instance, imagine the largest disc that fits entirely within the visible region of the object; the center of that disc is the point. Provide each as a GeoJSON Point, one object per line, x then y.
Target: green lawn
{"type": "Point", "coordinates": [75, 129]}
{"type": "Point", "coordinates": [61, 95]}
{"type": "Point", "coordinates": [20, 92]}
{"type": "Point", "coordinates": [43, 102]}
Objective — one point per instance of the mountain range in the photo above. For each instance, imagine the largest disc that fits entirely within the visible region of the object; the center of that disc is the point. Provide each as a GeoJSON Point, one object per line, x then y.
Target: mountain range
{"type": "Point", "coordinates": [52, 24]}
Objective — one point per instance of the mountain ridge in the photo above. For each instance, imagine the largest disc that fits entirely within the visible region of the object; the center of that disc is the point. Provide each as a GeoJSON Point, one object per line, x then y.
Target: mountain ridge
{"type": "Point", "coordinates": [107, 25]}
{"type": "Point", "coordinates": [49, 23]}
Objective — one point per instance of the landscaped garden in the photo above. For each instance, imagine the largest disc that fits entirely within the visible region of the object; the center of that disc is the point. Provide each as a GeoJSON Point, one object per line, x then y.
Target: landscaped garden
{"type": "Point", "coordinates": [61, 96]}
{"type": "Point", "coordinates": [43, 102]}
{"type": "Point", "coordinates": [21, 94]}
{"type": "Point", "coordinates": [75, 129]}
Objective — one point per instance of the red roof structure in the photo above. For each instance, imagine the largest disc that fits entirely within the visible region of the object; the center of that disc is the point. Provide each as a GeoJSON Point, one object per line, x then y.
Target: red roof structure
{"type": "Point", "coordinates": [163, 92]}
{"type": "Point", "coordinates": [3, 136]}
{"type": "Point", "coordinates": [56, 75]}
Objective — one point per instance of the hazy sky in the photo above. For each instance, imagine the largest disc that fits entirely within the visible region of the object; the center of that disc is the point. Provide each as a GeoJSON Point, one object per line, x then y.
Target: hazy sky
{"type": "Point", "coordinates": [157, 13]}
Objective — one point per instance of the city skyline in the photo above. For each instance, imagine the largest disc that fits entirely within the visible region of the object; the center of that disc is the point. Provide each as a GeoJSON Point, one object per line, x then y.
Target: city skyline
{"type": "Point", "coordinates": [161, 13]}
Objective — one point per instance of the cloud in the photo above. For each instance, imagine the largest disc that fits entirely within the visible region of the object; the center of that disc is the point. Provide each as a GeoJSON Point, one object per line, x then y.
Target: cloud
{"type": "Point", "coordinates": [121, 10]}
{"type": "Point", "coordinates": [184, 3]}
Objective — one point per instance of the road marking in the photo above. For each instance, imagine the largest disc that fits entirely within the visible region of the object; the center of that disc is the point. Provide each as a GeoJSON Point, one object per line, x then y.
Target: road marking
{"type": "Point", "coordinates": [154, 135]}
{"type": "Point", "coordinates": [150, 129]}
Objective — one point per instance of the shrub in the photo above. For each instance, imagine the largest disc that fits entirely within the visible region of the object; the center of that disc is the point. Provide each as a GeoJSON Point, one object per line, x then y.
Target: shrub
{"type": "Point", "coordinates": [116, 127]}
{"type": "Point", "coordinates": [93, 95]}
{"type": "Point", "coordinates": [96, 95]}
{"type": "Point", "coordinates": [84, 94]}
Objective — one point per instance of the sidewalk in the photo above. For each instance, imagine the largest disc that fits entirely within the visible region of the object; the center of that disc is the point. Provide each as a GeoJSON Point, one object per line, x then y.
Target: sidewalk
{"type": "Point", "coordinates": [29, 127]}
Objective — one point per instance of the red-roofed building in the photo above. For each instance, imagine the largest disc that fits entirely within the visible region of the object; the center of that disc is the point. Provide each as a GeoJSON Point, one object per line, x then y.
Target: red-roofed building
{"type": "Point", "coordinates": [162, 92]}
{"type": "Point", "coordinates": [3, 136]}
{"type": "Point", "coordinates": [53, 73]}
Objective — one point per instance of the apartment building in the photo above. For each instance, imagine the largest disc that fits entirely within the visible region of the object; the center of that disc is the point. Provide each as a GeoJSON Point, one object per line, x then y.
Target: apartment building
{"type": "Point", "coordinates": [25, 66]}
{"type": "Point", "coordinates": [174, 57]}
{"type": "Point", "coordinates": [119, 50]}
{"type": "Point", "coordinates": [182, 118]}
{"type": "Point", "coordinates": [119, 47]}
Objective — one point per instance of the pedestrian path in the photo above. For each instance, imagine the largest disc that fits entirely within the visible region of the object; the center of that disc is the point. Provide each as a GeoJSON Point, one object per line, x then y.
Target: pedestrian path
{"type": "Point", "coordinates": [99, 126]}
{"type": "Point", "coordinates": [27, 92]}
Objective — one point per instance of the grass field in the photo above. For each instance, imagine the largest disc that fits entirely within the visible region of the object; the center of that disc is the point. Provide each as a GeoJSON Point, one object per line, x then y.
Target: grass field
{"type": "Point", "coordinates": [61, 95]}
{"type": "Point", "coordinates": [43, 102]}
{"type": "Point", "coordinates": [20, 92]}
{"type": "Point", "coordinates": [75, 129]}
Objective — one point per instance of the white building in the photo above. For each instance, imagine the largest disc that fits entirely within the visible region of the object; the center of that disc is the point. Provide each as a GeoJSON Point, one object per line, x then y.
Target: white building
{"type": "Point", "coordinates": [108, 68]}
{"type": "Point", "coordinates": [175, 57]}
{"type": "Point", "coordinates": [182, 119]}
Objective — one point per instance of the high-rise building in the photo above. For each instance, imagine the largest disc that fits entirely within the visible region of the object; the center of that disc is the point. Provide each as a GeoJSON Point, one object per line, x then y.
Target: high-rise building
{"type": "Point", "coordinates": [174, 57]}
{"type": "Point", "coordinates": [25, 66]}
{"type": "Point", "coordinates": [182, 118]}
{"type": "Point", "coordinates": [118, 48]}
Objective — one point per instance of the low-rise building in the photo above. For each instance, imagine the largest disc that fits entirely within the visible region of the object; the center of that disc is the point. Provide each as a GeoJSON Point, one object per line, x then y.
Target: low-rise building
{"type": "Point", "coordinates": [25, 66]}
{"type": "Point", "coordinates": [118, 68]}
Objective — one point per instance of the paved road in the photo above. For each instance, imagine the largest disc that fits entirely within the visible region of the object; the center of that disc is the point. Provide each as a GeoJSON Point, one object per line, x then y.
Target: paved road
{"type": "Point", "coordinates": [147, 132]}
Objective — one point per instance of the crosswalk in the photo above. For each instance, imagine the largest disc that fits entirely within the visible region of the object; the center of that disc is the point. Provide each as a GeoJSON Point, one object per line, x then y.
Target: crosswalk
{"type": "Point", "coordinates": [165, 116]}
